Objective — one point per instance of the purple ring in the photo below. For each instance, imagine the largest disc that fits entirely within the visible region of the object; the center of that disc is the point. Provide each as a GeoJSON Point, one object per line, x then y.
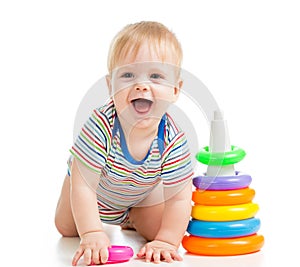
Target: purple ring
{"type": "Point", "coordinates": [222, 182]}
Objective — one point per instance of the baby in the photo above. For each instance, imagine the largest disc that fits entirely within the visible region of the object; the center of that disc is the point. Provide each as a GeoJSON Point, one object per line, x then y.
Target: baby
{"type": "Point", "coordinates": [128, 151]}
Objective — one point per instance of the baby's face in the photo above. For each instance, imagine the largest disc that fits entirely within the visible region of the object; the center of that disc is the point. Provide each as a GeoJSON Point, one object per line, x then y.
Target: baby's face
{"type": "Point", "coordinates": [143, 88]}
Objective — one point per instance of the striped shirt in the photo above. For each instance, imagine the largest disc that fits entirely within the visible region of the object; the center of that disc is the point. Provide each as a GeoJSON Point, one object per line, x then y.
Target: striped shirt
{"type": "Point", "coordinates": [124, 181]}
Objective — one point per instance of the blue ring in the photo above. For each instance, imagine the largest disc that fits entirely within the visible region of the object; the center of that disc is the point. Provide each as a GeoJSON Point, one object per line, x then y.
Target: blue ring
{"type": "Point", "coordinates": [226, 229]}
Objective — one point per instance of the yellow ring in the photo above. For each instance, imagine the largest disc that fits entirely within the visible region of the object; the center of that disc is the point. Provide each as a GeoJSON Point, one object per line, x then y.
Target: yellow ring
{"type": "Point", "coordinates": [224, 197]}
{"type": "Point", "coordinates": [224, 213]}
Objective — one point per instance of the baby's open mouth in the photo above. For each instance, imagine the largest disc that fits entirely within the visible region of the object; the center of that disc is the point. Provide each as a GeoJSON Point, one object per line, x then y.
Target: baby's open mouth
{"type": "Point", "coordinates": [142, 105]}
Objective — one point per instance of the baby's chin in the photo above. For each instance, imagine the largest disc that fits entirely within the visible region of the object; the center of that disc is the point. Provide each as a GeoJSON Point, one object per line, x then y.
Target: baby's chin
{"type": "Point", "coordinates": [139, 120]}
{"type": "Point", "coordinates": [149, 120]}
{"type": "Point", "coordinates": [146, 123]}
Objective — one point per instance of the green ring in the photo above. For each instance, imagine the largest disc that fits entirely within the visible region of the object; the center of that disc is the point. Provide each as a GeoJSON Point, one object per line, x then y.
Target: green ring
{"type": "Point", "coordinates": [219, 158]}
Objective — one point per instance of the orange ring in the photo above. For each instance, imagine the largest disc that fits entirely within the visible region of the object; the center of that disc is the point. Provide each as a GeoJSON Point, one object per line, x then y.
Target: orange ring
{"type": "Point", "coordinates": [223, 246]}
{"type": "Point", "coordinates": [222, 198]}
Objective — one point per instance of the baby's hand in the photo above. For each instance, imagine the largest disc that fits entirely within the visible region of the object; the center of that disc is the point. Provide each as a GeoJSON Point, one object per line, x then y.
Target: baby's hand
{"type": "Point", "coordinates": [93, 247]}
{"type": "Point", "coordinates": [159, 250]}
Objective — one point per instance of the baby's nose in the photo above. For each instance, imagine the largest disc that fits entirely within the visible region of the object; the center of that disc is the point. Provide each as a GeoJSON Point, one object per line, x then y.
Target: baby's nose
{"type": "Point", "coordinates": [142, 87]}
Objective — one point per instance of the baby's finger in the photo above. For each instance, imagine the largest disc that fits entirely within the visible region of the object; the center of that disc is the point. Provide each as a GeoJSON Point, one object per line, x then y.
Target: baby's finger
{"type": "Point", "coordinates": [175, 256]}
{"type": "Point", "coordinates": [148, 255]}
{"type": "Point", "coordinates": [103, 255]}
{"type": "Point", "coordinates": [95, 256]}
{"type": "Point", "coordinates": [167, 256]}
{"type": "Point", "coordinates": [141, 252]}
{"type": "Point", "coordinates": [156, 256]}
{"type": "Point", "coordinates": [77, 256]}
{"type": "Point", "coordinates": [87, 256]}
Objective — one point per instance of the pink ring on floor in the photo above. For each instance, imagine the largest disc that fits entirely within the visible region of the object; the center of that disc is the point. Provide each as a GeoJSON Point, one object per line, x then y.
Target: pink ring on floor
{"type": "Point", "coordinates": [119, 254]}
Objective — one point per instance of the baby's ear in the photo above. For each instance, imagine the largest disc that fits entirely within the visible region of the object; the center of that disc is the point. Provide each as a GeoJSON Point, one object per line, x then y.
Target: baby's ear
{"type": "Point", "coordinates": [177, 89]}
{"type": "Point", "coordinates": [180, 83]}
{"type": "Point", "coordinates": [108, 82]}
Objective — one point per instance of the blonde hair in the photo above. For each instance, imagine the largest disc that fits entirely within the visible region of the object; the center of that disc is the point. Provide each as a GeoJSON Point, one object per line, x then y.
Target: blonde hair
{"type": "Point", "coordinates": [132, 36]}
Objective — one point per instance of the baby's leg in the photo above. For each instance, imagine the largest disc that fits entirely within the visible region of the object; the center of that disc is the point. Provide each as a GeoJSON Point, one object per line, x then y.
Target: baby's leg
{"type": "Point", "coordinates": [147, 220]}
{"type": "Point", "coordinates": [64, 220]}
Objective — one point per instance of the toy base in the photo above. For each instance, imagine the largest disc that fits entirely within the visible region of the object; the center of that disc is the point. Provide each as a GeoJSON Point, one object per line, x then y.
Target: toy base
{"type": "Point", "coordinates": [223, 246]}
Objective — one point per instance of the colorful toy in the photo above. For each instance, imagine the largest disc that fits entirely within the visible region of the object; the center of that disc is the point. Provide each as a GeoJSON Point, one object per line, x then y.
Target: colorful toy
{"type": "Point", "coordinates": [236, 181]}
{"type": "Point", "coordinates": [118, 254]}
{"type": "Point", "coordinates": [223, 246]}
{"type": "Point", "coordinates": [234, 155]}
{"type": "Point", "coordinates": [223, 221]}
{"type": "Point", "coordinates": [224, 229]}
{"type": "Point", "coordinates": [224, 213]}
{"type": "Point", "coordinates": [225, 197]}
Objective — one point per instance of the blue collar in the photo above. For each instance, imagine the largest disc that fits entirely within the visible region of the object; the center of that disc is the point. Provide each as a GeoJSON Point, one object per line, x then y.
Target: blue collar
{"type": "Point", "coordinates": [160, 139]}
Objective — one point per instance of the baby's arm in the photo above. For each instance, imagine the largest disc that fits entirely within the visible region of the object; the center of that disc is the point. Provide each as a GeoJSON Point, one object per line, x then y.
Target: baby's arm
{"type": "Point", "coordinates": [176, 215]}
{"type": "Point", "coordinates": [94, 241]}
{"type": "Point", "coordinates": [173, 226]}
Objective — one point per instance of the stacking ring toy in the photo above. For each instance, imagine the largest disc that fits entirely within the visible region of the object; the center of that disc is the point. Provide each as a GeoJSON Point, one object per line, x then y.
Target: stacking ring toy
{"type": "Point", "coordinates": [223, 246]}
{"type": "Point", "coordinates": [220, 158]}
{"type": "Point", "coordinates": [224, 229]}
{"type": "Point", "coordinates": [119, 254]}
{"type": "Point", "coordinates": [223, 198]}
{"type": "Point", "coordinates": [224, 213]}
{"type": "Point", "coordinates": [222, 182]}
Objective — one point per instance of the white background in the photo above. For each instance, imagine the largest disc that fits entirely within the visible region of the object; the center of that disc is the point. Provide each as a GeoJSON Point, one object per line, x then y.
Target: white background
{"type": "Point", "coordinates": [246, 52]}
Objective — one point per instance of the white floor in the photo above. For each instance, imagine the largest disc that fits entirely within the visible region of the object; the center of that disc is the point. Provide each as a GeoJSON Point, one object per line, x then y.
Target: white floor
{"type": "Point", "coordinates": [62, 250]}
{"type": "Point", "coordinates": [29, 237]}
{"type": "Point", "coordinates": [41, 245]}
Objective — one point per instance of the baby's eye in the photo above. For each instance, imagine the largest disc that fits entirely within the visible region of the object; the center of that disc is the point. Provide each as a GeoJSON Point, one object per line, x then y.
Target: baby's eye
{"type": "Point", "coordinates": [156, 76]}
{"type": "Point", "coordinates": [127, 75]}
